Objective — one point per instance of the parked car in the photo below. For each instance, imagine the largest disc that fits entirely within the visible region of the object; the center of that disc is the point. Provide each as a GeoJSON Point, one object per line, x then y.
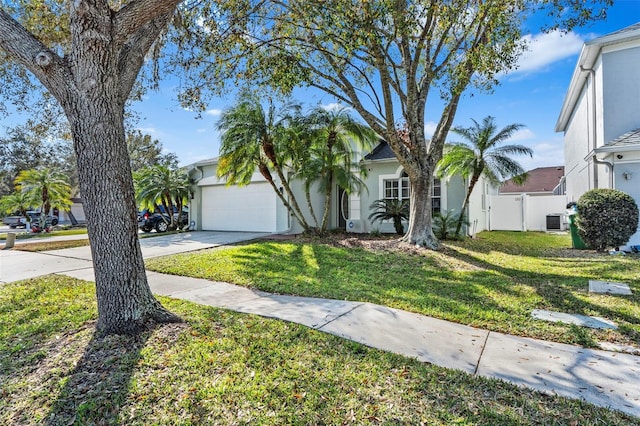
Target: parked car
{"type": "Point", "coordinates": [34, 217]}
{"type": "Point", "coordinates": [148, 221]}
{"type": "Point", "coordinates": [12, 221]}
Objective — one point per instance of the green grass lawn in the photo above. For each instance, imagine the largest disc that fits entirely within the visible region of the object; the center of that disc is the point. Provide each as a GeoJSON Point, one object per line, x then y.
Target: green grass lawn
{"type": "Point", "coordinates": [29, 235]}
{"type": "Point", "coordinates": [492, 282]}
{"type": "Point", "coordinates": [224, 368]}
{"type": "Point", "coordinates": [44, 245]}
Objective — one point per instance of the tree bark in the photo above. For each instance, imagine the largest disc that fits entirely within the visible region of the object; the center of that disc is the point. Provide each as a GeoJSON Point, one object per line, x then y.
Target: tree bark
{"type": "Point", "coordinates": [472, 184]}
{"type": "Point", "coordinates": [92, 85]}
{"type": "Point", "coordinates": [420, 230]}
{"type": "Point", "coordinates": [125, 301]}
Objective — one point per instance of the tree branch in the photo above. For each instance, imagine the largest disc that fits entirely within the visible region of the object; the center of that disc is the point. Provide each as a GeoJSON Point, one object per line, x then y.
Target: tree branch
{"type": "Point", "coordinates": [134, 51]}
{"type": "Point", "coordinates": [139, 13]}
{"type": "Point", "coordinates": [21, 46]}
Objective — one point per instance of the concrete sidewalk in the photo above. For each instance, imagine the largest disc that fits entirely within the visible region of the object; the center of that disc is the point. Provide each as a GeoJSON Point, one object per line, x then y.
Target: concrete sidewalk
{"type": "Point", "coordinates": [18, 265]}
{"type": "Point", "coordinates": [603, 378]}
{"type": "Point", "coordinates": [607, 379]}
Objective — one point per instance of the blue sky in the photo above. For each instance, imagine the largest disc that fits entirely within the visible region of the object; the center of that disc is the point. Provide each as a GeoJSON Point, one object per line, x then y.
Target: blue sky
{"type": "Point", "coordinates": [532, 96]}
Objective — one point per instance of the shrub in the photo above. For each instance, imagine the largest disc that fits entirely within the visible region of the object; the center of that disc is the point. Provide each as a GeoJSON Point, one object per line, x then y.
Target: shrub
{"type": "Point", "coordinates": [388, 209]}
{"type": "Point", "coordinates": [606, 218]}
{"type": "Point", "coordinates": [445, 225]}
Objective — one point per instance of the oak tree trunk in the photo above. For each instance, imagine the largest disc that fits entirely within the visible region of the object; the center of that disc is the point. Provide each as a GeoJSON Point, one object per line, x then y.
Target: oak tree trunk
{"type": "Point", "coordinates": [420, 230]}
{"type": "Point", "coordinates": [92, 83]}
{"type": "Point", "coordinates": [125, 301]}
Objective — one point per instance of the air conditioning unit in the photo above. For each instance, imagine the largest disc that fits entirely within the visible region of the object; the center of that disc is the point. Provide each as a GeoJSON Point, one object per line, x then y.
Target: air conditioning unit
{"type": "Point", "coordinates": [554, 222]}
{"type": "Point", "coordinates": [354, 225]}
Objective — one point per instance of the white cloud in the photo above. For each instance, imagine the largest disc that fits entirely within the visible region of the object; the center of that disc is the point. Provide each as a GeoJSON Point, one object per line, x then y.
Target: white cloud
{"type": "Point", "coordinates": [429, 128]}
{"type": "Point", "coordinates": [201, 130]}
{"type": "Point", "coordinates": [545, 154]}
{"type": "Point", "coordinates": [214, 112]}
{"type": "Point", "coordinates": [522, 135]}
{"type": "Point", "coordinates": [334, 106]}
{"type": "Point", "coordinates": [547, 48]}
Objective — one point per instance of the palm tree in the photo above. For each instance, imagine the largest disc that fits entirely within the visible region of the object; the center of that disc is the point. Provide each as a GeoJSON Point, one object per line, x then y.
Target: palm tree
{"type": "Point", "coordinates": [484, 156]}
{"type": "Point", "coordinates": [165, 186]}
{"type": "Point", "coordinates": [47, 187]}
{"type": "Point", "coordinates": [254, 137]}
{"type": "Point", "coordinates": [391, 209]}
{"type": "Point", "coordinates": [332, 135]}
{"type": "Point", "coordinates": [18, 201]}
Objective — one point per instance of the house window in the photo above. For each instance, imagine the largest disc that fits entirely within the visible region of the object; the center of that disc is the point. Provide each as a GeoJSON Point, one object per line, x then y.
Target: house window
{"type": "Point", "coordinates": [399, 189]}
{"type": "Point", "coordinates": [436, 196]}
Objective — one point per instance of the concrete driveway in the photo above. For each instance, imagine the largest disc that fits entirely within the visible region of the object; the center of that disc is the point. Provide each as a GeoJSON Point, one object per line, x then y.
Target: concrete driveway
{"type": "Point", "coordinates": [18, 265]}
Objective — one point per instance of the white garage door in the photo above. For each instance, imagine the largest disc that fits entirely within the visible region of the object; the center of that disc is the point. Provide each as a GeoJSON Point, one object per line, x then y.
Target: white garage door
{"type": "Point", "coordinates": [234, 208]}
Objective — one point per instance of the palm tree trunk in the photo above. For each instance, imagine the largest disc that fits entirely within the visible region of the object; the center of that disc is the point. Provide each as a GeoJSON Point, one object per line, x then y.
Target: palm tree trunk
{"type": "Point", "coordinates": [327, 203]}
{"type": "Point", "coordinates": [264, 171]}
{"type": "Point", "coordinates": [307, 194]}
{"type": "Point", "coordinates": [294, 202]}
{"type": "Point", "coordinates": [472, 184]}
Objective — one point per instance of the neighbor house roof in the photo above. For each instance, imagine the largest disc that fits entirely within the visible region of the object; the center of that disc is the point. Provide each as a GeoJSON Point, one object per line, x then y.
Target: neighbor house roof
{"type": "Point", "coordinates": [588, 56]}
{"type": "Point", "coordinates": [542, 179]}
{"type": "Point", "coordinates": [382, 151]}
{"type": "Point", "coordinates": [630, 141]}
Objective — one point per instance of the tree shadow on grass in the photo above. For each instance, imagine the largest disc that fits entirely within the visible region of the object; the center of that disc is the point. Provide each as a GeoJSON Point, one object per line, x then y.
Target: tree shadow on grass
{"type": "Point", "coordinates": [96, 389]}
{"type": "Point", "coordinates": [559, 293]}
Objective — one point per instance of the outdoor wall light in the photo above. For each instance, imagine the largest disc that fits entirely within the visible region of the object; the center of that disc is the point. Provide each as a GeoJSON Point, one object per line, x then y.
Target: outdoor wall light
{"type": "Point", "coordinates": [627, 175]}
{"type": "Point", "coordinates": [619, 156]}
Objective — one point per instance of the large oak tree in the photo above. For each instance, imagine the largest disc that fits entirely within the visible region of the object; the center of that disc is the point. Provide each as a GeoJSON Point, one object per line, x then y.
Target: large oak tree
{"type": "Point", "coordinates": [87, 54]}
{"type": "Point", "coordinates": [383, 58]}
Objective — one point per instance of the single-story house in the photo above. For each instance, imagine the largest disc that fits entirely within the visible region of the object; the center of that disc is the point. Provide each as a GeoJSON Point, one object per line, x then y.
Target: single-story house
{"type": "Point", "coordinates": [600, 119]}
{"type": "Point", "coordinates": [255, 207]}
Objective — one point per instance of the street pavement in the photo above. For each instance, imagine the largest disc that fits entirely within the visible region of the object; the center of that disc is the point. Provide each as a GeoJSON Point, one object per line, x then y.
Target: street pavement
{"type": "Point", "coordinates": [607, 379]}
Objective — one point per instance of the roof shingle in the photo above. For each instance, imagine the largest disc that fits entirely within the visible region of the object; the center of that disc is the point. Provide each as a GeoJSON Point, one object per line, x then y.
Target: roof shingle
{"type": "Point", "coordinates": [542, 179]}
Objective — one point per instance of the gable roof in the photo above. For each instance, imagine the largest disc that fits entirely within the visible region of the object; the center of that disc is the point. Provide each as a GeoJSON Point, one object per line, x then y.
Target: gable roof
{"type": "Point", "coordinates": [382, 151]}
{"type": "Point", "coordinates": [542, 179]}
{"type": "Point", "coordinates": [588, 56]}
{"type": "Point", "coordinates": [630, 141]}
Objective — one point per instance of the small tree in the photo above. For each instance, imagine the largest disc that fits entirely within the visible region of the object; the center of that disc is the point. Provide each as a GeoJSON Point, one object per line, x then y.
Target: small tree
{"type": "Point", "coordinates": [47, 187]}
{"type": "Point", "coordinates": [445, 225]}
{"type": "Point", "coordinates": [165, 186]}
{"type": "Point", "coordinates": [147, 152]}
{"type": "Point", "coordinates": [254, 137]}
{"type": "Point", "coordinates": [19, 201]}
{"type": "Point", "coordinates": [330, 155]}
{"type": "Point", "coordinates": [606, 218]}
{"type": "Point", "coordinates": [391, 209]}
{"type": "Point", "coordinates": [483, 156]}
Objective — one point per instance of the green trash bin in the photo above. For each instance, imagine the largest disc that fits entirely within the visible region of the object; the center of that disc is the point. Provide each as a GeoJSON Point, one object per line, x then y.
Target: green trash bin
{"type": "Point", "coordinates": [576, 240]}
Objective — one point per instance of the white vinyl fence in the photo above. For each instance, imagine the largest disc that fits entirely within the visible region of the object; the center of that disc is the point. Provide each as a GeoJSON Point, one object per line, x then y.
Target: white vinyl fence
{"type": "Point", "coordinates": [527, 212]}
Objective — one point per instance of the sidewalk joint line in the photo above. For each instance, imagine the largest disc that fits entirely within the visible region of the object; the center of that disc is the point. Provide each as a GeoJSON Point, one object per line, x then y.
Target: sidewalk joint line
{"type": "Point", "coordinates": [49, 253]}
{"type": "Point", "coordinates": [341, 315]}
{"type": "Point", "coordinates": [484, 346]}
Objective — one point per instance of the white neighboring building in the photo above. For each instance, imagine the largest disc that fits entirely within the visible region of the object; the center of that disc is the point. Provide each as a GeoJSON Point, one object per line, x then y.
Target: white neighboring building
{"type": "Point", "coordinates": [600, 117]}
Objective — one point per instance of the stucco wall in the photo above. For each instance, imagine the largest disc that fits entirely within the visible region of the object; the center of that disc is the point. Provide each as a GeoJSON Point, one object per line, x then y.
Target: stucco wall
{"type": "Point", "coordinates": [631, 185]}
{"type": "Point", "coordinates": [377, 172]}
{"type": "Point", "coordinates": [621, 82]}
{"type": "Point", "coordinates": [479, 205]}
{"type": "Point", "coordinates": [452, 196]}
{"type": "Point", "coordinates": [577, 144]}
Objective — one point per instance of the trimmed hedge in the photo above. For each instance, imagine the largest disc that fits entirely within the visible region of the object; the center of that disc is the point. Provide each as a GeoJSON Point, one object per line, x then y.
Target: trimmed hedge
{"type": "Point", "coordinates": [606, 218]}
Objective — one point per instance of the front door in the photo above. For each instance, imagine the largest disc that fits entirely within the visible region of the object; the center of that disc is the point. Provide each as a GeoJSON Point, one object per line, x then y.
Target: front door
{"type": "Point", "coordinates": [343, 208]}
